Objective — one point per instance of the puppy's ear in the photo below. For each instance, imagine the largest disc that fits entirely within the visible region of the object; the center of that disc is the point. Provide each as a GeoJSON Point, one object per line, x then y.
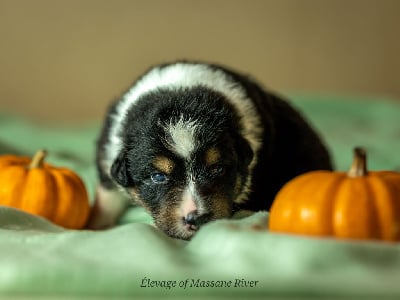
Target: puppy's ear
{"type": "Point", "coordinates": [120, 170]}
{"type": "Point", "coordinates": [244, 150]}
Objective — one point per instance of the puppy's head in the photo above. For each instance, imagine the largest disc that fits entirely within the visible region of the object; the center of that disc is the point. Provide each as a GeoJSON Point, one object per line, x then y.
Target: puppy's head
{"type": "Point", "coordinates": [183, 158]}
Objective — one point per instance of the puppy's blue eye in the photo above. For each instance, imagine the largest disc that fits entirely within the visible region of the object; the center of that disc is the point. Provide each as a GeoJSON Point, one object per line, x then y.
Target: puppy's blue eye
{"type": "Point", "coordinates": [159, 178]}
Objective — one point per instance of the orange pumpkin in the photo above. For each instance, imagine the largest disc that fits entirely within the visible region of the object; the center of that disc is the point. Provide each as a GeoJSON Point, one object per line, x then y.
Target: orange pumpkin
{"type": "Point", "coordinates": [358, 204]}
{"type": "Point", "coordinates": [34, 186]}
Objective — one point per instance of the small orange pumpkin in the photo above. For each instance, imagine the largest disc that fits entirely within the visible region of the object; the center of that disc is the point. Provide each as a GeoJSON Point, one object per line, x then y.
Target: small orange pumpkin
{"type": "Point", "coordinates": [34, 186]}
{"type": "Point", "coordinates": [358, 204]}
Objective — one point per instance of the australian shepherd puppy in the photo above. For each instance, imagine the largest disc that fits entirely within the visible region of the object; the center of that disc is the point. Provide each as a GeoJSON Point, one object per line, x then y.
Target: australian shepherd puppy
{"type": "Point", "coordinates": [193, 142]}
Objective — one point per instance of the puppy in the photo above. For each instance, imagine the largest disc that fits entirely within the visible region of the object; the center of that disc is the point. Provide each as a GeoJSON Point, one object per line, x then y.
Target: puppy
{"type": "Point", "coordinates": [193, 142]}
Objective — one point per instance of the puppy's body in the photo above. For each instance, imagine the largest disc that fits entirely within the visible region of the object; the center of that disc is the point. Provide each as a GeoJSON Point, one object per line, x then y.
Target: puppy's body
{"type": "Point", "coordinates": [195, 142]}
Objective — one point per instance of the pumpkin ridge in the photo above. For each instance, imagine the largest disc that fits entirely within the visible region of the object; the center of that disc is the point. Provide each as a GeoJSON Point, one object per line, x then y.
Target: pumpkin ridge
{"type": "Point", "coordinates": [336, 203]}
{"type": "Point", "coordinates": [375, 218]}
{"type": "Point", "coordinates": [297, 206]}
{"type": "Point", "coordinates": [322, 203]}
{"type": "Point", "coordinates": [337, 181]}
{"type": "Point", "coordinates": [55, 192]}
{"type": "Point", "coordinates": [389, 222]}
{"type": "Point", "coordinates": [15, 178]}
{"type": "Point", "coordinates": [38, 193]}
{"type": "Point", "coordinates": [62, 215]}
{"type": "Point", "coordinates": [73, 211]}
{"type": "Point", "coordinates": [352, 210]}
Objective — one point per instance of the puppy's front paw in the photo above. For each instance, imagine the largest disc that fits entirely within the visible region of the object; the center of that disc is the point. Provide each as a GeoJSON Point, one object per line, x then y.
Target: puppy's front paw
{"type": "Point", "coordinates": [108, 207]}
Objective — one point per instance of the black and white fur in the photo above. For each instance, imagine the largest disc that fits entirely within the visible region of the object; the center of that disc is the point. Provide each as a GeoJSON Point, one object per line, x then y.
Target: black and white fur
{"type": "Point", "coordinates": [194, 142]}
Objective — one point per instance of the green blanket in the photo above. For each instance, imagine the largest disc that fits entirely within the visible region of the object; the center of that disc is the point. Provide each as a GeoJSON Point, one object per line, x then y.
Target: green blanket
{"type": "Point", "coordinates": [227, 258]}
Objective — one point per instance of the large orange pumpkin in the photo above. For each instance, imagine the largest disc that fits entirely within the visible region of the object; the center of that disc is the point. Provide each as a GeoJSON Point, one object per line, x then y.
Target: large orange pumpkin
{"type": "Point", "coordinates": [360, 204]}
{"type": "Point", "coordinates": [34, 186]}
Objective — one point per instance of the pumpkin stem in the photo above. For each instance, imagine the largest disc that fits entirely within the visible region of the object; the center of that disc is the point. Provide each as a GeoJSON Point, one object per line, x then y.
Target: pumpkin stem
{"type": "Point", "coordinates": [38, 159]}
{"type": "Point", "coordinates": [359, 166]}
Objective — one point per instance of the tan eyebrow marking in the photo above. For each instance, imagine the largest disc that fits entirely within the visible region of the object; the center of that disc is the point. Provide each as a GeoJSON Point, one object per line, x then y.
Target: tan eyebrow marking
{"type": "Point", "coordinates": [212, 156]}
{"type": "Point", "coordinates": [163, 164]}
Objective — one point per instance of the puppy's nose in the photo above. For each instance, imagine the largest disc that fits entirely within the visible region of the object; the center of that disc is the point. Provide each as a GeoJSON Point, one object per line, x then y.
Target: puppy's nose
{"type": "Point", "coordinates": [191, 218]}
{"type": "Point", "coordinates": [194, 219]}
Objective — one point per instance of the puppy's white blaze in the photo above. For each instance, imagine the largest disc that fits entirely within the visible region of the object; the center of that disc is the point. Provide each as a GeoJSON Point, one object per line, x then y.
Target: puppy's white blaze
{"type": "Point", "coordinates": [188, 205]}
{"type": "Point", "coordinates": [190, 200]}
{"type": "Point", "coordinates": [186, 75]}
{"type": "Point", "coordinates": [182, 137]}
